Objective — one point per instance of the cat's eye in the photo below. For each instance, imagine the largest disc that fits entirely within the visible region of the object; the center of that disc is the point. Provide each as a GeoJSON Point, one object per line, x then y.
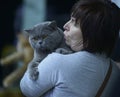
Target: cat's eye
{"type": "Point", "coordinates": [44, 36]}
{"type": "Point", "coordinates": [35, 38]}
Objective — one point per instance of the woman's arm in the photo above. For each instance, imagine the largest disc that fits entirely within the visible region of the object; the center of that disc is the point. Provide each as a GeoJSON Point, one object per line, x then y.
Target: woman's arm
{"type": "Point", "coordinates": [45, 82]}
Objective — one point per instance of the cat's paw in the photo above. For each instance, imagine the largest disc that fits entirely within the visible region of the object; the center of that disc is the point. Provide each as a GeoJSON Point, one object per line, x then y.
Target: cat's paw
{"type": "Point", "coordinates": [34, 74]}
{"type": "Point", "coordinates": [33, 70]}
{"type": "Point", "coordinates": [63, 51]}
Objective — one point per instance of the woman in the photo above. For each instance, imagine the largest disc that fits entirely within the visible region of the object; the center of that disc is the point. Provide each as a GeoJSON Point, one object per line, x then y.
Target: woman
{"type": "Point", "coordinates": [91, 32]}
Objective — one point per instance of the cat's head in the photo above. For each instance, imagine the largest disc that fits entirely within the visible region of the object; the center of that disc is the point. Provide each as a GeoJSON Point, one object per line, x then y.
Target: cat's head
{"type": "Point", "coordinates": [45, 36]}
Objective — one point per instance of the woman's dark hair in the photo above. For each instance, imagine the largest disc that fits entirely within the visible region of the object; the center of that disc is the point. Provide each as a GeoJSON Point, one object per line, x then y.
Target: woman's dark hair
{"type": "Point", "coordinates": [100, 22]}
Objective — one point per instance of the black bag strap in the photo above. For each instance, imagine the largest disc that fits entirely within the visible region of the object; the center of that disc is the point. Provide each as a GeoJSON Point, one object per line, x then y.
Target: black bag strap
{"type": "Point", "coordinates": [105, 81]}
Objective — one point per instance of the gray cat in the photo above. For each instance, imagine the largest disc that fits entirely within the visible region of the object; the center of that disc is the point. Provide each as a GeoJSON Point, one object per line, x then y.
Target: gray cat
{"type": "Point", "coordinates": [45, 38]}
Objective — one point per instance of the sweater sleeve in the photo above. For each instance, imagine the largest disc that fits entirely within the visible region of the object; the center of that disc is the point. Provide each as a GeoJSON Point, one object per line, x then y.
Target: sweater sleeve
{"type": "Point", "coordinates": [46, 80]}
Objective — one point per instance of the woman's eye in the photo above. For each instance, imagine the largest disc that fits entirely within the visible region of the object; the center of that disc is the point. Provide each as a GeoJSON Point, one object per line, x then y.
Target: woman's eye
{"type": "Point", "coordinates": [72, 19]}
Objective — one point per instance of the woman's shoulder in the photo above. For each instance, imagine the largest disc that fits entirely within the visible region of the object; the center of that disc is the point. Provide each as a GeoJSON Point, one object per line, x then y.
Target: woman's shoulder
{"type": "Point", "coordinates": [51, 59]}
{"type": "Point", "coordinates": [54, 55]}
{"type": "Point", "coordinates": [81, 55]}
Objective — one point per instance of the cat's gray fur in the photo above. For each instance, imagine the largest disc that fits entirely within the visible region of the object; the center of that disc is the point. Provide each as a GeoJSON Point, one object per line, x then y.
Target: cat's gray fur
{"type": "Point", "coordinates": [45, 38]}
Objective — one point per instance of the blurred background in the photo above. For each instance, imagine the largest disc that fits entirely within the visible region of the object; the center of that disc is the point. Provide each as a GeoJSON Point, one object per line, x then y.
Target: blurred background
{"type": "Point", "coordinates": [17, 15]}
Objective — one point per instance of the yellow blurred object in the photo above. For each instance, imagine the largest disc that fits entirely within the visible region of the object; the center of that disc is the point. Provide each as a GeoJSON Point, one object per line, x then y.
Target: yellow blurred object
{"type": "Point", "coordinates": [11, 92]}
{"type": "Point", "coordinates": [24, 54]}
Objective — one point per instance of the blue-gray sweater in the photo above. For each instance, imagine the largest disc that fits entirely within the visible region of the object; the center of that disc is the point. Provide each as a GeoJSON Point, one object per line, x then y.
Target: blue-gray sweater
{"type": "Point", "coordinates": [74, 75]}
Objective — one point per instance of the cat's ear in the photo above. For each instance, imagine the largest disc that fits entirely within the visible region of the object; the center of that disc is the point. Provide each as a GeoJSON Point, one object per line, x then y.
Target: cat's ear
{"type": "Point", "coordinates": [28, 31]}
{"type": "Point", "coordinates": [53, 24]}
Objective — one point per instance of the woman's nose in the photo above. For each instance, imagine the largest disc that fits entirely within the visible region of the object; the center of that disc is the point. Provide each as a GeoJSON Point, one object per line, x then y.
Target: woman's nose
{"type": "Point", "coordinates": [65, 26]}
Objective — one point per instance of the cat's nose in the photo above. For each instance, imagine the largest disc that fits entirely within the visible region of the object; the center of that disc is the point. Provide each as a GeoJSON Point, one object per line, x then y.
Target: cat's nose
{"type": "Point", "coordinates": [40, 42]}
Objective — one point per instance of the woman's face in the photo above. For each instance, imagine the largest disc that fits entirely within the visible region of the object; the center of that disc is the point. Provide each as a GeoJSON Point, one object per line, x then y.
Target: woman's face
{"type": "Point", "coordinates": [73, 35]}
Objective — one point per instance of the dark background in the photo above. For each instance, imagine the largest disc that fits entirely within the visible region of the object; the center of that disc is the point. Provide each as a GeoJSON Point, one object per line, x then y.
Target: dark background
{"type": "Point", "coordinates": [7, 32]}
